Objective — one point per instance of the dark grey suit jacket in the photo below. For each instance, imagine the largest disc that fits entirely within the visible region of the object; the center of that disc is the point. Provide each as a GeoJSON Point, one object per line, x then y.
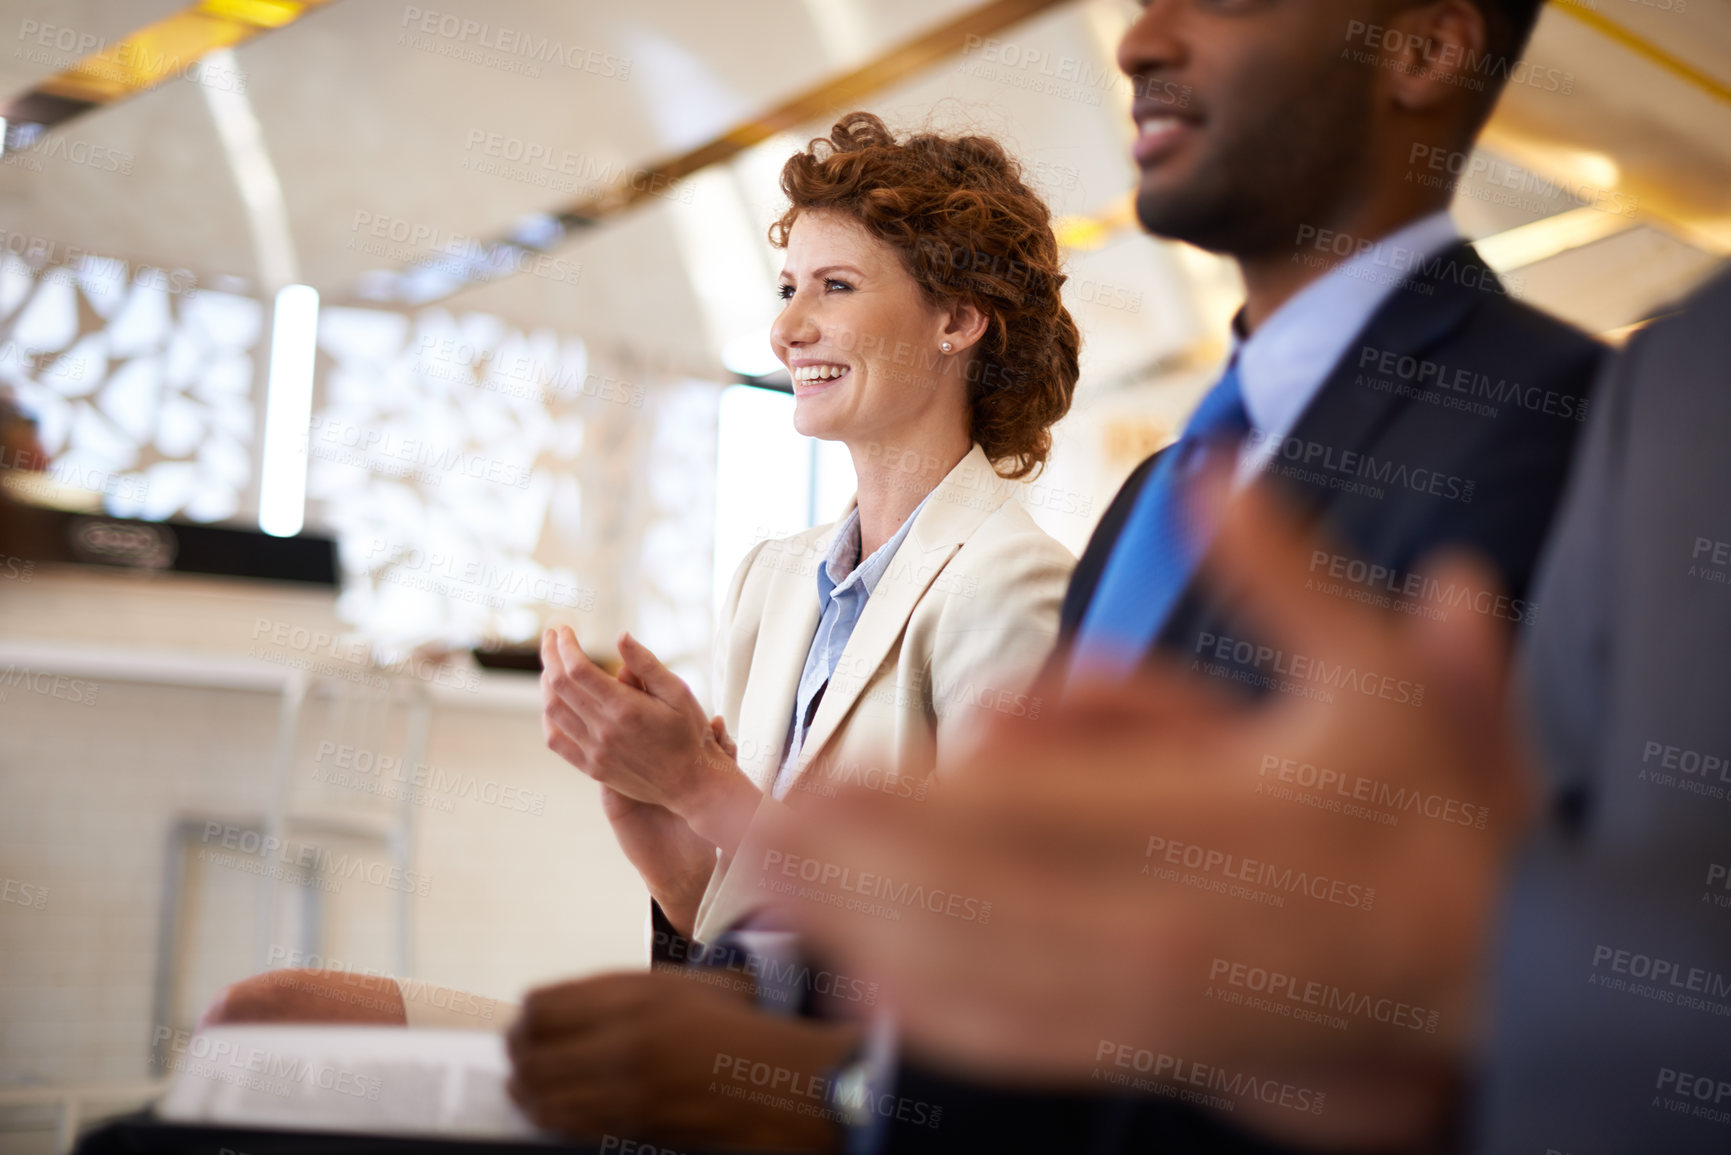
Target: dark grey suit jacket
{"type": "Point", "coordinates": [1614, 1017]}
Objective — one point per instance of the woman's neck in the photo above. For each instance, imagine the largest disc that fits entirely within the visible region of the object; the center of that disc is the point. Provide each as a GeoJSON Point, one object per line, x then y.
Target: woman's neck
{"type": "Point", "coordinates": [895, 478]}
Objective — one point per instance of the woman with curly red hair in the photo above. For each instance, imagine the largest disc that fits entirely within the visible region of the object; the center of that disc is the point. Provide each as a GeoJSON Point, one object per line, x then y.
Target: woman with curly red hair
{"type": "Point", "coordinates": [923, 328]}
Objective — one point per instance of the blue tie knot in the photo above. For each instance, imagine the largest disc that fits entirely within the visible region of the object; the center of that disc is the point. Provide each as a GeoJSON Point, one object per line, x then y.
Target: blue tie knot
{"type": "Point", "coordinates": [1221, 415]}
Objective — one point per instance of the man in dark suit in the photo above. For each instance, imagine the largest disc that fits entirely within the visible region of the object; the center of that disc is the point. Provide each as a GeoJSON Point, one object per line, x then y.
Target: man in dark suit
{"type": "Point", "coordinates": [1382, 379]}
{"type": "Point", "coordinates": [1569, 958]}
{"type": "Point", "coordinates": [1385, 379]}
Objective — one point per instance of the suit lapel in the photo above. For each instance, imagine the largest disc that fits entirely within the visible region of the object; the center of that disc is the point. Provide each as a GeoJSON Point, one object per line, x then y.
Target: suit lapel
{"type": "Point", "coordinates": [1085, 578]}
{"type": "Point", "coordinates": [969, 494]}
{"type": "Point", "coordinates": [790, 614]}
{"type": "Point", "coordinates": [1343, 417]}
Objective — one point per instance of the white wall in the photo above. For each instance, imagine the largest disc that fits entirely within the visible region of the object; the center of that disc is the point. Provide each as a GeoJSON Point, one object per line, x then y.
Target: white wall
{"type": "Point", "coordinates": [95, 769]}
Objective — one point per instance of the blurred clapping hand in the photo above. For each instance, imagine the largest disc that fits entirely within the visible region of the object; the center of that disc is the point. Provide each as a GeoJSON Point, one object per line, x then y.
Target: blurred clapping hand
{"type": "Point", "coordinates": [1108, 893]}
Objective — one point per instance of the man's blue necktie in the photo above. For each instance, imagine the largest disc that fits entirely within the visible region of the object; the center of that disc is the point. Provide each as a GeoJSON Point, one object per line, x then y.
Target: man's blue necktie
{"type": "Point", "coordinates": [1162, 540]}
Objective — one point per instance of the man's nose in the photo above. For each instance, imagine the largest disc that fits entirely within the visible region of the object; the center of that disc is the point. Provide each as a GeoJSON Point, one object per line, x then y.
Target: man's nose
{"type": "Point", "coordinates": [1152, 43]}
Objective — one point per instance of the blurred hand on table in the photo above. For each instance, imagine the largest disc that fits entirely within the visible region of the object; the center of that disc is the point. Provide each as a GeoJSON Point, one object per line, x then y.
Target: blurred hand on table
{"type": "Point", "coordinates": [667, 1057]}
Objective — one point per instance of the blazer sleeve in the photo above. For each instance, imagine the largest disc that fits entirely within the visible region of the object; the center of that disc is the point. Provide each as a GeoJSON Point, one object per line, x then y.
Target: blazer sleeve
{"type": "Point", "coordinates": [725, 661]}
{"type": "Point", "coordinates": [668, 947]}
{"type": "Point", "coordinates": [992, 639]}
{"type": "Point", "coordinates": [999, 618]}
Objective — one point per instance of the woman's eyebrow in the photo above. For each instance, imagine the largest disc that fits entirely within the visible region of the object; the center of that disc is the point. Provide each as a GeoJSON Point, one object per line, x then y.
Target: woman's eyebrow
{"type": "Point", "coordinates": [825, 271]}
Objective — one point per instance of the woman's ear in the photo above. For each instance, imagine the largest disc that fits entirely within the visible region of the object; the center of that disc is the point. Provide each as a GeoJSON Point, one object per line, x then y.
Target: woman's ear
{"type": "Point", "coordinates": [963, 326]}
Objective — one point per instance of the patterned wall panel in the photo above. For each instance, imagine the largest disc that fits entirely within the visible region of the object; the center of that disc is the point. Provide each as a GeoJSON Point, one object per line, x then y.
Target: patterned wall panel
{"type": "Point", "coordinates": [140, 381]}
{"type": "Point", "coordinates": [484, 480]}
{"type": "Point", "coordinates": [481, 480]}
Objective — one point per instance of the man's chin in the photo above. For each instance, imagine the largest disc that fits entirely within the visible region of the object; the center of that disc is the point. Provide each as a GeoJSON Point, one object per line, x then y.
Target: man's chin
{"type": "Point", "coordinates": [1186, 216]}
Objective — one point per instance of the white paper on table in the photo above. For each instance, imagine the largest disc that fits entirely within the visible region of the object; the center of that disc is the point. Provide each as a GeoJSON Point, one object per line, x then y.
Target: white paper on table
{"type": "Point", "coordinates": [374, 1080]}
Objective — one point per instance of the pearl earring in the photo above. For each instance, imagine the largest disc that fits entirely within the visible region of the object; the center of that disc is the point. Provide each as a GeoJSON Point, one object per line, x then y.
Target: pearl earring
{"type": "Point", "coordinates": [947, 347]}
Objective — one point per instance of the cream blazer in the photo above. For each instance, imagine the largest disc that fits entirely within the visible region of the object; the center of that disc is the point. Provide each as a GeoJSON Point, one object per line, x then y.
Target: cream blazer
{"type": "Point", "coordinates": [956, 629]}
{"type": "Point", "coordinates": [959, 625]}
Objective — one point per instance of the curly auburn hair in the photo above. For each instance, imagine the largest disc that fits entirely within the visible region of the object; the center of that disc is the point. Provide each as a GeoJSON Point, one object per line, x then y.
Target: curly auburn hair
{"type": "Point", "coordinates": [969, 230]}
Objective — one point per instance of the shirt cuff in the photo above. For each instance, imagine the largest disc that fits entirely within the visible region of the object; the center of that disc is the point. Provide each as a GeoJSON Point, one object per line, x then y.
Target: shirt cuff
{"type": "Point", "coordinates": [427, 1007]}
{"type": "Point", "coordinates": [862, 1083]}
{"type": "Point", "coordinates": [667, 947]}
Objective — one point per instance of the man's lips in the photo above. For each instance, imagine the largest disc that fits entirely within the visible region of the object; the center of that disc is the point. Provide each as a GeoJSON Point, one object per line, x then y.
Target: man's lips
{"type": "Point", "coordinates": [1161, 124]}
{"type": "Point", "coordinates": [1158, 135]}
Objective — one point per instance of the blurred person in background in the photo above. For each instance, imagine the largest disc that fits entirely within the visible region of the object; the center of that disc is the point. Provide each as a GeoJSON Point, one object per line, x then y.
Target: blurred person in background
{"type": "Point", "coordinates": [23, 479]}
{"type": "Point", "coordinates": [20, 448]}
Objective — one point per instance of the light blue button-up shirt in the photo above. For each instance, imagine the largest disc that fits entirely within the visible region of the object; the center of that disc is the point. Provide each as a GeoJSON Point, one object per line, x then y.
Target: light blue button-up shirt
{"type": "Point", "coordinates": [844, 584]}
{"type": "Point", "coordinates": [1283, 365]}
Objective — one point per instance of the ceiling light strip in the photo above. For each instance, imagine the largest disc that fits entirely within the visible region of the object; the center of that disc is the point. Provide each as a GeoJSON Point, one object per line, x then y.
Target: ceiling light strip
{"type": "Point", "coordinates": [1548, 237]}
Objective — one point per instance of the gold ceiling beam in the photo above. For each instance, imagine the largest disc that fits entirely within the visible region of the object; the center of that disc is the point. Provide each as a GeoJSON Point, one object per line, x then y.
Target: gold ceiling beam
{"type": "Point", "coordinates": [109, 73]}
{"type": "Point", "coordinates": [839, 93]}
{"type": "Point", "coordinates": [1586, 13]}
{"type": "Point", "coordinates": [443, 275]}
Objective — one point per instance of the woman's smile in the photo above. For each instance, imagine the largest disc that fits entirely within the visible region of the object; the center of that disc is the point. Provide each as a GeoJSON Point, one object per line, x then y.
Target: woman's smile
{"type": "Point", "coordinates": [811, 377]}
